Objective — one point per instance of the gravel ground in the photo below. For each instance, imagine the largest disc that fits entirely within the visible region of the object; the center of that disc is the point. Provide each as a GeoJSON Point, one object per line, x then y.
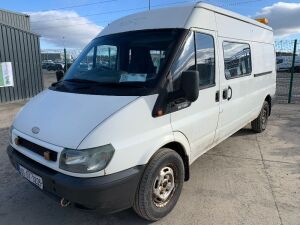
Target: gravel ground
{"type": "Point", "coordinates": [49, 78]}
{"type": "Point", "coordinates": [248, 179]}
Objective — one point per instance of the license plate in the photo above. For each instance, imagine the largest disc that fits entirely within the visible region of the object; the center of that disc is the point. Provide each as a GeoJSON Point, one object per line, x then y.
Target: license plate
{"type": "Point", "coordinates": [33, 178]}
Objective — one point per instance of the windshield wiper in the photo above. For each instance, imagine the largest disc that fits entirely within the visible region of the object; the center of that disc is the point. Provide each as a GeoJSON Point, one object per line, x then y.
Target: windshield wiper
{"type": "Point", "coordinates": [121, 84]}
{"type": "Point", "coordinates": [104, 84]}
{"type": "Point", "coordinates": [83, 81]}
{"type": "Point", "coordinates": [55, 83]}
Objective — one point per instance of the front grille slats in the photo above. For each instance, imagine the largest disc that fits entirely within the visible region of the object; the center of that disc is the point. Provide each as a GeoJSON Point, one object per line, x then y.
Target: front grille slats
{"type": "Point", "coordinates": [44, 152]}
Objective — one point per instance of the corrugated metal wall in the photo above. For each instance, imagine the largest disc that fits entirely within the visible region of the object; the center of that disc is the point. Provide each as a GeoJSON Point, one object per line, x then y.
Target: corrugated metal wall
{"type": "Point", "coordinates": [18, 20]}
{"type": "Point", "coordinates": [22, 48]}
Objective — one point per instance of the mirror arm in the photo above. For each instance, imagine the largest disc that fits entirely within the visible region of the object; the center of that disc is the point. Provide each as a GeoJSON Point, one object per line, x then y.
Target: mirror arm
{"type": "Point", "coordinates": [172, 96]}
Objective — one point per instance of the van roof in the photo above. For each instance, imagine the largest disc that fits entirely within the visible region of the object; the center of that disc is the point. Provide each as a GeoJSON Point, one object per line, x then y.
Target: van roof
{"type": "Point", "coordinates": [230, 14]}
{"type": "Point", "coordinates": [171, 17]}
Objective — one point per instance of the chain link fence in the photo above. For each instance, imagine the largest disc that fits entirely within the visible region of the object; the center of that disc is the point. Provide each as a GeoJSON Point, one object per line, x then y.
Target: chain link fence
{"type": "Point", "coordinates": [288, 71]}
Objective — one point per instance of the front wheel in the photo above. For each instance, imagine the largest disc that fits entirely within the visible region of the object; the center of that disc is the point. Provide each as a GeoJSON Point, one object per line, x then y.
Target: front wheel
{"type": "Point", "coordinates": [160, 185]}
{"type": "Point", "coordinates": [260, 123]}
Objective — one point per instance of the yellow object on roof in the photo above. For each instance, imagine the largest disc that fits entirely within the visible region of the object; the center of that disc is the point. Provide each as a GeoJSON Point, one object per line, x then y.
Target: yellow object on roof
{"type": "Point", "coordinates": [263, 20]}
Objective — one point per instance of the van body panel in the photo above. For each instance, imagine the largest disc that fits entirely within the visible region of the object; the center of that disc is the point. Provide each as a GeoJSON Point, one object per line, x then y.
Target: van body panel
{"type": "Point", "coordinates": [134, 134]}
{"type": "Point", "coordinates": [177, 17]}
{"type": "Point", "coordinates": [199, 19]}
{"type": "Point", "coordinates": [236, 16]}
{"type": "Point", "coordinates": [248, 91]}
{"type": "Point", "coordinates": [197, 15]}
{"type": "Point", "coordinates": [232, 28]}
{"type": "Point", "coordinates": [180, 138]}
{"type": "Point", "coordinates": [64, 119]}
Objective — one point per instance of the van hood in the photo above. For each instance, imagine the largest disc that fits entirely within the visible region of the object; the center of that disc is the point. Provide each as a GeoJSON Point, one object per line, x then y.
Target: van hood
{"type": "Point", "coordinates": [65, 119]}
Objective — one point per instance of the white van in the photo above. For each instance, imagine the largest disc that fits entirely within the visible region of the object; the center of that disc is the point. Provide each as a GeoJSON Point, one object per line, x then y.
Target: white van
{"type": "Point", "coordinates": [149, 95]}
{"type": "Point", "coordinates": [284, 63]}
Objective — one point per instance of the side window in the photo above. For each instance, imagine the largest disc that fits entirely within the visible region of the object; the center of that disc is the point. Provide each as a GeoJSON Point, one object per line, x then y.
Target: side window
{"type": "Point", "coordinates": [205, 52]}
{"type": "Point", "coordinates": [237, 59]}
{"type": "Point", "coordinates": [106, 57]}
{"type": "Point", "coordinates": [185, 61]}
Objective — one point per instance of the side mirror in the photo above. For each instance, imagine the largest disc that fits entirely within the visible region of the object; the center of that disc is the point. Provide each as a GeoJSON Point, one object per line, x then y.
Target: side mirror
{"type": "Point", "coordinates": [190, 84]}
{"type": "Point", "coordinates": [59, 75]}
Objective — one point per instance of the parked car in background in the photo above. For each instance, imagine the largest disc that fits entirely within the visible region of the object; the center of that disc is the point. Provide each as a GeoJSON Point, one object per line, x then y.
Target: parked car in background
{"type": "Point", "coordinates": [47, 61]}
{"type": "Point", "coordinates": [284, 63]}
{"type": "Point", "coordinates": [45, 65]}
{"type": "Point", "coordinates": [55, 67]}
{"type": "Point", "coordinates": [141, 103]}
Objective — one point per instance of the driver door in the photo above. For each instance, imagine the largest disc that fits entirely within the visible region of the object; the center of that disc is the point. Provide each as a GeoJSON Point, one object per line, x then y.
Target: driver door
{"type": "Point", "coordinates": [198, 122]}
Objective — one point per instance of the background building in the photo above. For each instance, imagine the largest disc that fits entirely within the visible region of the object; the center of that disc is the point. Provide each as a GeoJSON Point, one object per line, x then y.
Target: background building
{"type": "Point", "coordinates": [19, 48]}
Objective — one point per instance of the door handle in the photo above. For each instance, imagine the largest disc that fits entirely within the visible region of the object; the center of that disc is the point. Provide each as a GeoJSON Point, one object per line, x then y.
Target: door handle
{"type": "Point", "coordinates": [217, 96]}
{"type": "Point", "coordinates": [229, 97]}
{"type": "Point", "coordinates": [227, 93]}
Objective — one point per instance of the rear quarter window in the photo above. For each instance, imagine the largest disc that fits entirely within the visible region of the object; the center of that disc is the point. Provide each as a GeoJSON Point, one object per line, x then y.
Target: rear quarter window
{"type": "Point", "coordinates": [237, 59]}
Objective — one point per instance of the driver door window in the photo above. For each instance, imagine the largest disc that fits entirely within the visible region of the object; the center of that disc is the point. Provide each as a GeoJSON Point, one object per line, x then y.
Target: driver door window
{"type": "Point", "coordinates": [203, 60]}
{"type": "Point", "coordinates": [186, 61]}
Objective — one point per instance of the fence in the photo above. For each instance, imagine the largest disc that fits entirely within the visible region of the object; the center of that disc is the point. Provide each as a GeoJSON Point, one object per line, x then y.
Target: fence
{"type": "Point", "coordinates": [22, 49]}
{"type": "Point", "coordinates": [288, 71]}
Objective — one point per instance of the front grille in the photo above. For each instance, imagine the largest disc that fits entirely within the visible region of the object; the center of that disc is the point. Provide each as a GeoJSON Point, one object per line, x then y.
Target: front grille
{"type": "Point", "coordinates": [51, 155]}
{"type": "Point", "coordinates": [30, 164]}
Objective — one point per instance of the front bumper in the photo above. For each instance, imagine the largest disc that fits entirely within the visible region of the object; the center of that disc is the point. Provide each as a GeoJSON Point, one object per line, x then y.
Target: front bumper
{"type": "Point", "coordinates": [107, 194]}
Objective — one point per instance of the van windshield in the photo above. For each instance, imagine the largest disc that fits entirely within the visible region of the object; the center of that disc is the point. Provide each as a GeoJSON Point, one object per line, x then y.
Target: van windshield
{"type": "Point", "coordinates": [131, 59]}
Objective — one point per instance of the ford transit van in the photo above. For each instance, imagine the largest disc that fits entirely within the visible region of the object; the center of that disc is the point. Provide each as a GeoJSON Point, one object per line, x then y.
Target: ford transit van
{"type": "Point", "coordinates": [147, 97]}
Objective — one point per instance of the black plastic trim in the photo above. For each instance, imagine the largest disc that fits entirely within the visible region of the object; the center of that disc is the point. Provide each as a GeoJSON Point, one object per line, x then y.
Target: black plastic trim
{"type": "Point", "coordinates": [262, 74]}
{"type": "Point", "coordinates": [109, 193]}
{"type": "Point", "coordinates": [40, 150]}
{"type": "Point", "coordinates": [162, 103]}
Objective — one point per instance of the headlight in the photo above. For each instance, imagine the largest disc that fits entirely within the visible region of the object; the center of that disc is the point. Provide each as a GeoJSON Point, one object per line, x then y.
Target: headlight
{"type": "Point", "coordinates": [86, 161]}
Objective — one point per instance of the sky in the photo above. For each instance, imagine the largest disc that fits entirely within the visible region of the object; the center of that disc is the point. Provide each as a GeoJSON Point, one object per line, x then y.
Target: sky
{"type": "Point", "coordinates": [73, 23]}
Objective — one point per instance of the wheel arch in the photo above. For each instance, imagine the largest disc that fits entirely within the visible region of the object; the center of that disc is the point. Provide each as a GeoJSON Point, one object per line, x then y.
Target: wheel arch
{"type": "Point", "coordinates": [178, 142]}
{"type": "Point", "coordinates": [178, 147]}
{"type": "Point", "coordinates": [269, 100]}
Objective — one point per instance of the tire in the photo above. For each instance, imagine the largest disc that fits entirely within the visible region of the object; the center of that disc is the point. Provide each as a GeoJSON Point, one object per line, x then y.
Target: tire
{"type": "Point", "coordinates": [260, 123]}
{"type": "Point", "coordinates": [147, 204]}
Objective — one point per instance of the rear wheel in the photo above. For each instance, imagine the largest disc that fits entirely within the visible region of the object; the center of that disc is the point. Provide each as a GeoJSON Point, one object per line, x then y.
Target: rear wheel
{"type": "Point", "coordinates": [260, 123]}
{"type": "Point", "coordinates": [160, 185]}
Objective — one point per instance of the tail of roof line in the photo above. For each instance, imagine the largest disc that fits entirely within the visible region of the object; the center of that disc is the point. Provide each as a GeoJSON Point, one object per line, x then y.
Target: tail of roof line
{"type": "Point", "coordinates": [218, 9]}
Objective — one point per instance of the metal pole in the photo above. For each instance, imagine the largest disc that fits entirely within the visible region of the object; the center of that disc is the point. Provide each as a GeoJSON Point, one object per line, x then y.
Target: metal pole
{"type": "Point", "coordinates": [65, 56]}
{"type": "Point", "coordinates": [292, 72]}
{"type": "Point", "coordinates": [149, 4]}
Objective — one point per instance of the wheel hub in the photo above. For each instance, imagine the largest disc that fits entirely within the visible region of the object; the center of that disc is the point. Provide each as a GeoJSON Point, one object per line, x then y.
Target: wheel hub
{"type": "Point", "coordinates": [163, 187]}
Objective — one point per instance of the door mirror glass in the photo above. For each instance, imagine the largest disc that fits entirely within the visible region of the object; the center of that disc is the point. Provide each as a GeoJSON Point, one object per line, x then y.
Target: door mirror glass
{"type": "Point", "coordinates": [190, 85]}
